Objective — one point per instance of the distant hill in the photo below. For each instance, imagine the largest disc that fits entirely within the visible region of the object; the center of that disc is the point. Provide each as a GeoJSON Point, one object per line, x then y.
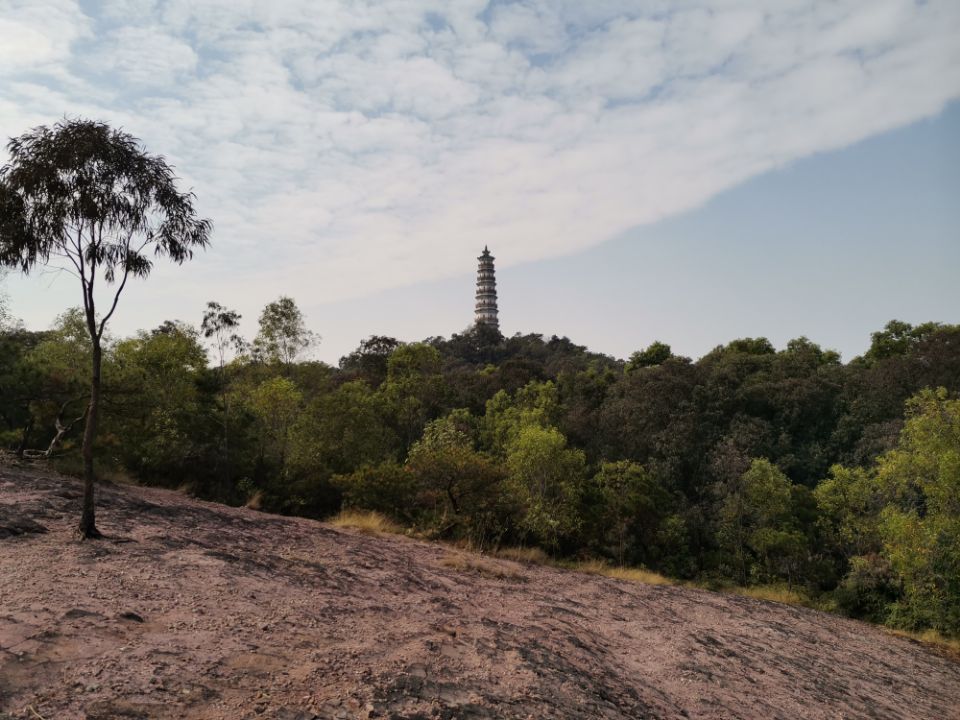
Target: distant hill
{"type": "Point", "coordinates": [196, 610]}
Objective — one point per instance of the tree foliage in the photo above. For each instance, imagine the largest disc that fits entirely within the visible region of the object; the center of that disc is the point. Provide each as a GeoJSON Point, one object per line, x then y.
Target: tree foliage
{"type": "Point", "coordinates": [283, 335]}
{"type": "Point", "coordinates": [544, 476]}
{"type": "Point", "coordinates": [91, 197]}
{"type": "Point", "coordinates": [750, 465]}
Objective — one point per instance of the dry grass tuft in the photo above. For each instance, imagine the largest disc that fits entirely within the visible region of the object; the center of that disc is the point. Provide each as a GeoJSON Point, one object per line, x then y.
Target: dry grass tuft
{"type": "Point", "coordinates": [529, 556]}
{"type": "Point", "coordinates": [71, 464]}
{"type": "Point", "coordinates": [255, 501]}
{"type": "Point", "coordinates": [773, 593]}
{"type": "Point", "coordinates": [487, 568]}
{"type": "Point", "coordinates": [596, 567]}
{"type": "Point", "coordinates": [115, 475]}
{"type": "Point", "coordinates": [369, 522]}
{"type": "Point", "coordinates": [536, 556]}
{"type": "Point", "coordinates": [949, 647]}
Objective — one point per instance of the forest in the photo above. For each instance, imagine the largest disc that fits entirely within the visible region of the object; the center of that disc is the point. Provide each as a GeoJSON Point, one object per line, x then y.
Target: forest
{"type": "Point", "coordinates": [748, 466]}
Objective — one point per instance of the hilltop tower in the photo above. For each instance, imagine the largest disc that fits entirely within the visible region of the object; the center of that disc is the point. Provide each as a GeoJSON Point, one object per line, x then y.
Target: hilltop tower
{"type": "Point", "coordinates": [486, 308]}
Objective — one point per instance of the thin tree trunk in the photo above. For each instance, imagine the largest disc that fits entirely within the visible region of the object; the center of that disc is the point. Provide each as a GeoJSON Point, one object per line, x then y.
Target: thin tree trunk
{"type": "Point", "coordinates": [88, 525]}
{"type": "Point", "coordinates": [225, 401]}
{"type": "Point", "coordinates": [22, 446]}
{"type": "Point", "coordinates": [453, 500]}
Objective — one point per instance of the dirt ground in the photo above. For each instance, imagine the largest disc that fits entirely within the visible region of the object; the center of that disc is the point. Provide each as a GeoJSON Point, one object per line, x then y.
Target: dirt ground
{"type": "Point", "coordinates": [194, 610]}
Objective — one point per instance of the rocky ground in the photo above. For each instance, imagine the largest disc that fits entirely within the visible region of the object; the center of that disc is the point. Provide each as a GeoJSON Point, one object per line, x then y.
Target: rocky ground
{"type": "Point", "coordinates": [194, 610]}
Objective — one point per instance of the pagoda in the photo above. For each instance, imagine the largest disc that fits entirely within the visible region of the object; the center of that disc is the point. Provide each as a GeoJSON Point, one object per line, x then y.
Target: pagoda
{"type": "Point", "coordinates": [486, 307]}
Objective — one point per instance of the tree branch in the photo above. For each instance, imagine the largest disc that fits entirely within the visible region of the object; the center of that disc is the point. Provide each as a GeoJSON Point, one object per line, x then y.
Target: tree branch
{"type": "Point", "coordinates": [123, 283]}
{"type": "Point", "coordinates": [116, 299]}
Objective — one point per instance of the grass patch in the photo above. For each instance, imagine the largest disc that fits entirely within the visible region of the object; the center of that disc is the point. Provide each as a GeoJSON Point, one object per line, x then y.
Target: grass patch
{"type": "Point", "coordinates": [536, 556]}
{"type": "Point", "coordinates": [941, 644]}
{"type": "Point", "coordinates": [632, 574]}
{"type": "Point", "coordinates": [773, 593]}
{"type": "Point", "coordinates": [526, 555]}
{"type": "Point", "coordinates": [481, 566]}
{"type": "Point", "coordinates": [71, 465]}
{"type": "Point", "coordinates": [366, 521]}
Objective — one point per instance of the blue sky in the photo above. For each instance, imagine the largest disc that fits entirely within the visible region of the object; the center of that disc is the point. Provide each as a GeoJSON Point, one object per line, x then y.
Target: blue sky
{"type": "Point", "coordinates": [830, 247]}
{"type": "Point", "coordinates": [690, 171]}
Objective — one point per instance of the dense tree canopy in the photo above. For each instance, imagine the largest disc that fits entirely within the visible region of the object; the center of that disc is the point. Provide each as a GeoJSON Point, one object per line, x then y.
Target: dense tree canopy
{"type": "Point", "coordinates": [751, 465]}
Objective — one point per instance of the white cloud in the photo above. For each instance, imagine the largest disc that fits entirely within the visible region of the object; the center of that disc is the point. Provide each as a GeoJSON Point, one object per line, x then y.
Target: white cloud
{"type": "Point", "coordinates": [345, 148]}
{"type": "Point", "coordinates": [33, 36]}
{"type": "Point", "coordinates": [142, 58]}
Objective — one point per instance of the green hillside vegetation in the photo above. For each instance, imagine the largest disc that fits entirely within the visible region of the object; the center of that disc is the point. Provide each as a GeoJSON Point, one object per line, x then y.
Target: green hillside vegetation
{"type": "Point", "coordinates": [748, 467]}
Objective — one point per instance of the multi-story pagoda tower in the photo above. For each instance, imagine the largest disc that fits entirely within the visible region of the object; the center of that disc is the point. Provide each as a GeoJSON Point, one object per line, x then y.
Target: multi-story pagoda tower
{"type": "Point", "coordinates": [486, 308]}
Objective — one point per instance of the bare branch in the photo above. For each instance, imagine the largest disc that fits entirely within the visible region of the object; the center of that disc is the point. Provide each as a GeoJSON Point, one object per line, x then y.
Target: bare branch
{"type": "Point", "coordinates": [56, 270]}
{"type": "Point", "coordinates": [116, 298]}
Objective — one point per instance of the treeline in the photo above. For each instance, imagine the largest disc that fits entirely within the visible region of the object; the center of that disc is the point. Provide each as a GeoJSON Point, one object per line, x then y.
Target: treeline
{"type": "Point", "coordinates": [747, 466]}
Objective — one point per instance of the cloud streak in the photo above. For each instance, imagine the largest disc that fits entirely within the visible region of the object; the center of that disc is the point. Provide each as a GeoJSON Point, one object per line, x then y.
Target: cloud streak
{"type": "Point", "coordinates": [345, 148]}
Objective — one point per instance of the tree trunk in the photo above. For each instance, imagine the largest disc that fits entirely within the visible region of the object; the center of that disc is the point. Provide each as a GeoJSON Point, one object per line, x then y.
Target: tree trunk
{"type": "Point", "coordinates": [22, 446]}
{"type": "Point", "coordinates": [88, 525]}
{"type": "Point", "coordinates": [225, 488]}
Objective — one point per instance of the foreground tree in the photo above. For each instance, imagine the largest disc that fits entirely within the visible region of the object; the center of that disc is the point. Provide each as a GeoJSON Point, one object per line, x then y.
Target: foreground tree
{"type": "Point", "coordinates": [91, 197]}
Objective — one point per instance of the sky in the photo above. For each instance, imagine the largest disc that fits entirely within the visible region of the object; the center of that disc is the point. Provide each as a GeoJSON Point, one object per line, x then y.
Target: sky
{"type": "Point", "coordinates": [688, 171]}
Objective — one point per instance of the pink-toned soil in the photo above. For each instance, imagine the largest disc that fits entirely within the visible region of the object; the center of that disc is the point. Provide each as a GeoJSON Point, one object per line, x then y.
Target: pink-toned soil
{"type": "Point", "coordinates": [194, 610]}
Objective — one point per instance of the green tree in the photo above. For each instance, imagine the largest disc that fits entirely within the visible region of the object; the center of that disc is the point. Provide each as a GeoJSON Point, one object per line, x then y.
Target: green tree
{"type": "Point", "coordinates": [757, 524]}
{"type": "Point", "coordinates": [22, 388]}
{"type": "Point", "coordinates": [535, 404]}
{"type": "Point", "coordinates": [389, 488]}
{"type": "Point", "coordinates": [920, 529]}
{"type": "Point", "coordinates": [219, 325]}
{"type": "Point", "coordinates": [544, 478]}
{"type": "Point", "coordinates": [656, 353]}
{"type": "Point", "coordinates": [898, 338]}
{"type": "Point", "coordinates": [369, 361]}
{"type": "Point", "coordinates": [458, 488]}
{"type": "Point", "coordinates": [60, 388]}
{"type": "Point", "coordinates": [160, 427]}
{"type": "Point", "coordinates": [414, 391]}
{"type": "Point", "coordinates": [343, 430]}
{"type": "Point", "coordinates": [283, 335]}
{"type": "Point", "coordinates": [631, 505]}
{"type": "Point", "coordinates": [276, 404]}
{"type": "Point", "coordinates": [93, 196]}
{"type": "Point", "coordinates": [849, 501]}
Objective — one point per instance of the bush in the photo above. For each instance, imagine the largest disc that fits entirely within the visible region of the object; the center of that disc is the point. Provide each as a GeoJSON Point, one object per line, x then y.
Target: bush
{"type": "Point", "coordinates": [869, 589]}
{"type": "Point", "coordinates": [387, 488]}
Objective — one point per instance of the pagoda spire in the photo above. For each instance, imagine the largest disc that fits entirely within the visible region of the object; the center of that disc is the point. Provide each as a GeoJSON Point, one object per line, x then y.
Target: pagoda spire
{"type": "Point", "coordinates": [486, 307]}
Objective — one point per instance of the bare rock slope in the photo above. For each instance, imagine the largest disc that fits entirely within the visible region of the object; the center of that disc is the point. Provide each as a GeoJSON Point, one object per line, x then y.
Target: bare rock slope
{"type": "Point", "coordinates": [194, 610]}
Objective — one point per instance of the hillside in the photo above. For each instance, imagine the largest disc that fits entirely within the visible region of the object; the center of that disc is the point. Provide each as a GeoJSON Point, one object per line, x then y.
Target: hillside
{"type": "Point", "coordinates": [195, 610]}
